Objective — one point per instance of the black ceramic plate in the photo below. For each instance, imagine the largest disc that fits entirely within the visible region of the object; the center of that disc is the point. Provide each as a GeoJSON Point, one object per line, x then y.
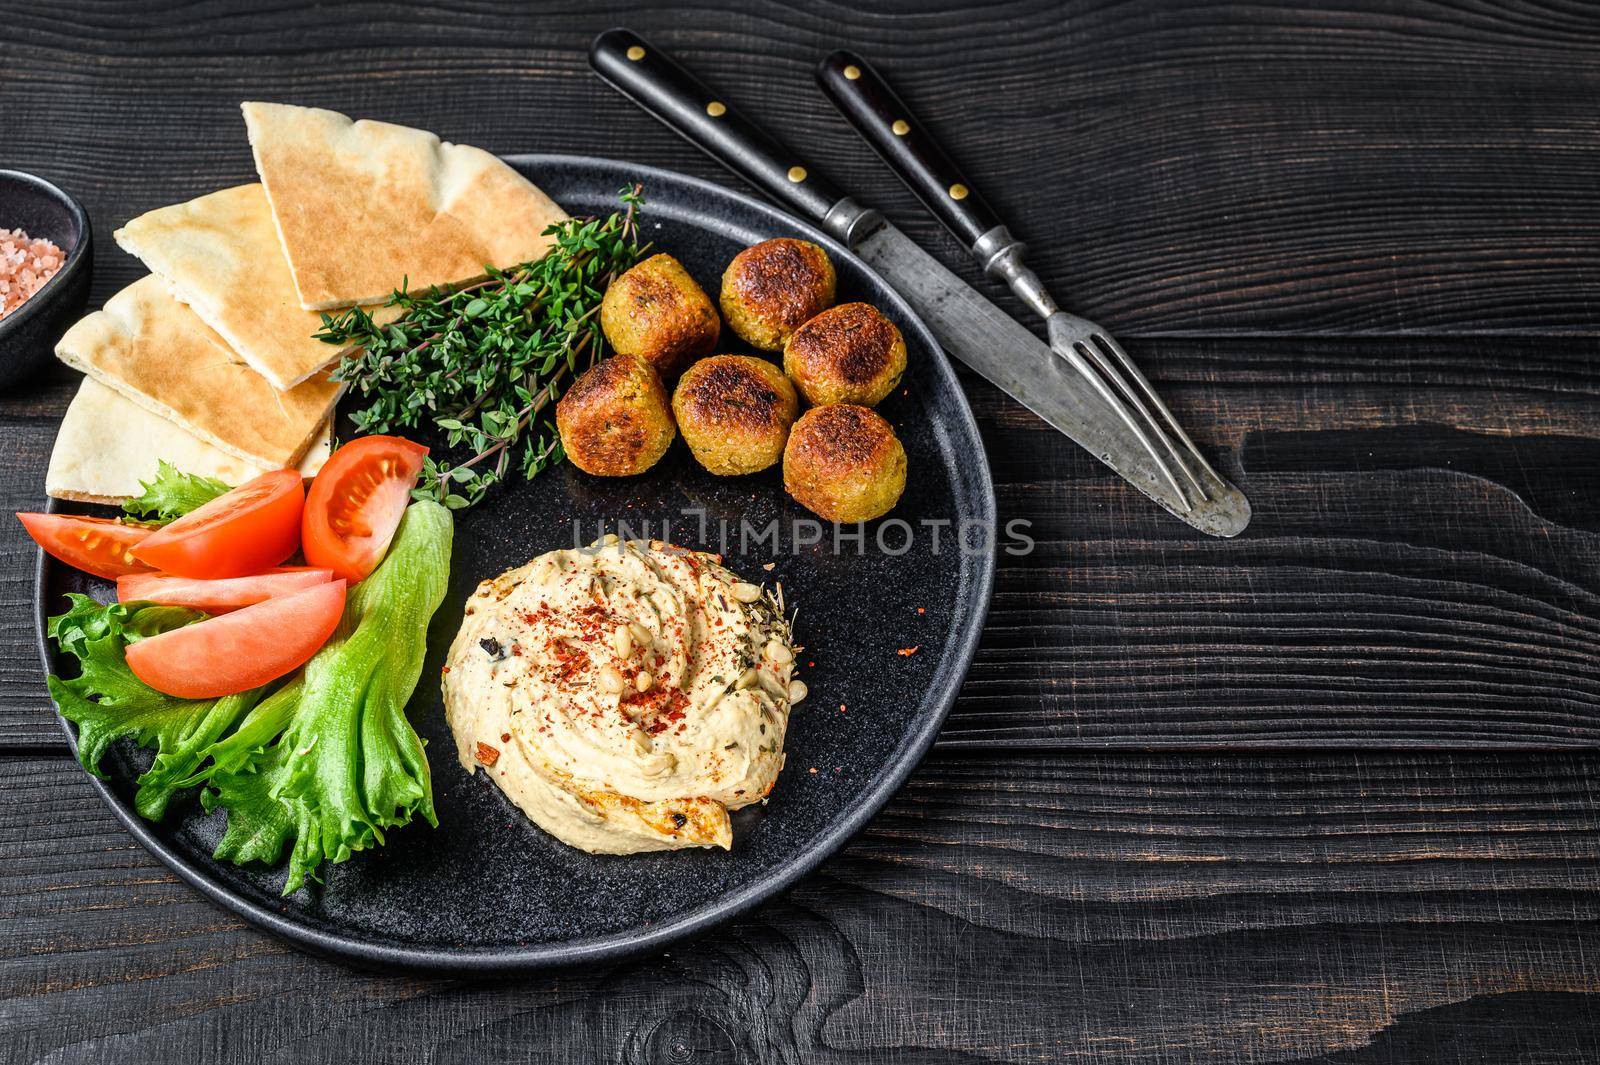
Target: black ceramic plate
{"type": "Point", "coordinates": [487, 891]}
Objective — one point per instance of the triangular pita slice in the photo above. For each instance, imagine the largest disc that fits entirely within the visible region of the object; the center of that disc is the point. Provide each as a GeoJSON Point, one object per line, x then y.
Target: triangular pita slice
{"type": "Point", "coordinates": [108, 444]}
{"type": "Point", "coordinates": [220, 255]}
{"type": "Point", "coordinates": [365, 207]}
{"type": "Point", "coordinates": [158, 353]}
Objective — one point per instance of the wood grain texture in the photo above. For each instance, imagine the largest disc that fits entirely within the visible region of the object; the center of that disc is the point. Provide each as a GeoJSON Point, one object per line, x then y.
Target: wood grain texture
{"type": "Point", "coordinates": [1354, 243]}
{"type": "Point", "coordinates": [28, 420]}
{"type": "Point", "coordinates": [1012, 910]}
{"type": "Point", "coordinates": [1421, 568]}
{"type": "Point", "coordinates": [1357, 166]}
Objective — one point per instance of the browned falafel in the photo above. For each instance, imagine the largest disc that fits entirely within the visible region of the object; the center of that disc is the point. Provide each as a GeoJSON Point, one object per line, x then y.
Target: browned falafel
{"type": "Point", "coordinates": [847, 354]}
{"type": "Point", "coordinates": [770, 288]}
{"type": "Point", "coordinates": [657, 312]}
{"type": "Point", "coordinates": [614, 420]}
{"type": "Point", "coordinates": [734, 412]}
{"type": "Point", "coordinates": [844, 463]}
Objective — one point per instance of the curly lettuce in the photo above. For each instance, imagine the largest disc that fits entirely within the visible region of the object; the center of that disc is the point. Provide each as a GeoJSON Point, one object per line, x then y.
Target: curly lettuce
{"type": "Point", "coordinates": [172, 494]}
{"type": "Point", "coordinates": [107, 702]}
{"type": "Point", "coordinates": [328, 761]}
{"type": "Point", "coordinates": [331, 762]}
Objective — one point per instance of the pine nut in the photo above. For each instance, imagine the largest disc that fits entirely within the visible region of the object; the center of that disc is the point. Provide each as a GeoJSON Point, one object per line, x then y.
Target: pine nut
{"type": "Point", "coordinates": [610, 680]}
{"type": "Point", "coordinates": [797, 691]}
{"type": "Point", "coordinates": [777, 653]}
{"type": "Point", "coordinates": [747, 679]}
{"type": "Point", "coordinates": [746, 593]}
{"type": "Point", "coordinates": [622, 641]}
{"type": "Point", "coordinates": [641, 635]}
{"type": "Point", "coordinates": [642, 680]}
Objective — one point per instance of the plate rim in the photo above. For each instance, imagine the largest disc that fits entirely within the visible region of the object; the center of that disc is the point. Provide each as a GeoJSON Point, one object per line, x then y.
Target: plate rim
{"type": "Point", "coordinates": [500, 960]}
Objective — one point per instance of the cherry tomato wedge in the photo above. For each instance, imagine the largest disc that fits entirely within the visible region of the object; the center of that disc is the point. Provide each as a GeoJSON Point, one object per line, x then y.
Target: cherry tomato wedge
{"type": "Point", "coordinates": [241, 650]}
{"type": "Point", "coordinates": [218, 596]}
{"type": "Point", "coordinates": [356, 503]}
{"type": "Point", "coordinates": [95, 545]}
{"type": "Point", "coordinates": [250, 529]}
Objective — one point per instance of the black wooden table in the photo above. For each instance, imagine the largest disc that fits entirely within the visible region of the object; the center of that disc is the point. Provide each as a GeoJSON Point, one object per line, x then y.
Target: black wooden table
{"type": "Point", "coordinates": [1325, 793]}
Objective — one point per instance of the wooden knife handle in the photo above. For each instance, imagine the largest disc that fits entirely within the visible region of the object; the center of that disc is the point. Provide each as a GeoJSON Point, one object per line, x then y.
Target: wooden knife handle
{"type": "Point", "coordinates": [868, 103]}
{"type": "Point", "coordinates": [655, 82]}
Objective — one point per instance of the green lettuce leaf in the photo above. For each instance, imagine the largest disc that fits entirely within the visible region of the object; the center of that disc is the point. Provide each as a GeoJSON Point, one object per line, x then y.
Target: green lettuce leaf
{"type": "Point", "coordinates": [85, 620]}
{"type": "Point", "coordinates": [255, 733]}
{"type": "Point", "coordinates": [241, 776]}
{"type": "Point", "coordinates": [107, 702]}
{"type": "Point", "coordinates": [323, 765]}
{"type": "Point", "coordinates": [348, 764]}
{"type": "Point", "coordinates": [258, 823]}
{"type": "Point", "coordinates": [172, 494]}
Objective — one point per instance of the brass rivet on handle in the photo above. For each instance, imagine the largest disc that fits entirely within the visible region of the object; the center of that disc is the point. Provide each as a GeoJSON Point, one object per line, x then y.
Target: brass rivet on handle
{"type": "Point", "coordinates": [958, 191]}
{"type": "Point", "coordinates": [901, 127]}
{"type": "Point", "coordinates": [635, 53]}
{"type": "Point", "coordinates": [852, 72]}
{"type": "Point", "coordinates": [716, 109]}
{"type": "Point", "coordinates": [797, 174]}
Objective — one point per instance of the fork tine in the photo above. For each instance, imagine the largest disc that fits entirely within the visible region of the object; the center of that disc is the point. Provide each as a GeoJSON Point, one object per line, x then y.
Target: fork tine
{"type": "Point", "coordinates": [1109, 369]}
{"type": "Point", "coordinates": [1090, 373]}
{"type": "Point", "coordinates": [1155, 400]}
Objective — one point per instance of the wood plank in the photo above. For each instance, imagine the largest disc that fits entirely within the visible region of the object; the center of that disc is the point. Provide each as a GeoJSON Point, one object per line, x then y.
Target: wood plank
{"type": "Point", "coordinates": [1363, 166]}
{"type": "Point", "coordinates": [1086, 909]}
{"type": "Point", "coordinates": [28, 419]}
{"type": "Point", "coordinates": [1421, 570]}
{"type": "Point", "coordinates": [1422, 567]}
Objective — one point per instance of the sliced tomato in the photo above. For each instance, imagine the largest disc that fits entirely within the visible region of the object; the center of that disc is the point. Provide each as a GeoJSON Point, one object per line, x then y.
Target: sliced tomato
{"type": "Point", "coordinates": [218, 596]}
{"type": "Point", "coordinates": [250, 529]}
{"type": "Point", "coordinates": [241, 650]}
{"type": "Point", "coordinates": [356, 503]}
{"type": "Point", "coordinates": [99, 546]}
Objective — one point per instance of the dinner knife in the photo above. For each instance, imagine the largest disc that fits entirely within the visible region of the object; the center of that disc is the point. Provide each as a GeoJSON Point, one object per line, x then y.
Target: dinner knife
{"type": "Point", "coordinates": [966, 324]}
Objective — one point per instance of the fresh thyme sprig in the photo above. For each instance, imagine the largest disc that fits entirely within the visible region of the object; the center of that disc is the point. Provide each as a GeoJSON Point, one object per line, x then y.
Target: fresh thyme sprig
{"type": "Point", "coordinates": [484, 364]}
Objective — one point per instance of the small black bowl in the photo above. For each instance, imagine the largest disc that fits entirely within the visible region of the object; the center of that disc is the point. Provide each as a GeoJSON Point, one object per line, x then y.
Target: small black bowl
{"type": "Point", "coordinates": [29, 333]}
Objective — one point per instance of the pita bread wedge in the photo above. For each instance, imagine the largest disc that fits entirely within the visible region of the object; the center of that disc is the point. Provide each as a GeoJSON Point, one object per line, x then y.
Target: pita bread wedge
{"type": "Point", "coordinates": [158, 353]}
{"type": "Point", "coordinates": [107, 444]}
{"type": "Point", "coordinates": [365, 207]}
{"type": "Point", "coordinates": [220, 255]}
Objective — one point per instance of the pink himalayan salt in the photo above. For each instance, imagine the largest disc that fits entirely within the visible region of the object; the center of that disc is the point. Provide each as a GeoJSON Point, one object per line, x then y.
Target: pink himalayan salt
{"type": "Point", "coordinates": [26, 263]}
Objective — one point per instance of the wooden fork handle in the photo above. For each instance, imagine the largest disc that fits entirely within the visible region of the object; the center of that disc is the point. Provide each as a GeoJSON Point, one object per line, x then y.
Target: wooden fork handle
{"type": "Point", "coordinates": [868, 104]}
{"type": "Point", "coordinates": [661, 86]}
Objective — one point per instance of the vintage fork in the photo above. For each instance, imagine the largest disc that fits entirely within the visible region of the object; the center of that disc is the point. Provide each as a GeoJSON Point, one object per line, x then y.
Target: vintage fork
{"type": "Point", "coordinates": [1093, 352]}
{"type": "Point", "coordinates": [882, 119]}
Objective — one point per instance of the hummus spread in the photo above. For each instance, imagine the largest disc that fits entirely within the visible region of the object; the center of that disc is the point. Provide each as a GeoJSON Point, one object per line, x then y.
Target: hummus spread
{"type": "Point", "coordinates": [625, 695]}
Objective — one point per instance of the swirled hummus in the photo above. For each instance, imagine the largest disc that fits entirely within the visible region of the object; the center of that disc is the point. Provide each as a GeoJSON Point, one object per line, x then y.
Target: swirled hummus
{"type": "Point", "coordinates": [625, 695]}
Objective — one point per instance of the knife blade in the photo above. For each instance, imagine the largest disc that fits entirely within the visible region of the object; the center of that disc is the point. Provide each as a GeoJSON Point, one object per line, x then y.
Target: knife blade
{"type": "Point", "coordinates": [968, 326]}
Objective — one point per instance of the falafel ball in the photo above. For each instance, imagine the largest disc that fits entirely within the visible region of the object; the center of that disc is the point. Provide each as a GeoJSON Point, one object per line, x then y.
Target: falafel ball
{"type": "Point", "coordinates": [735, 412]}
{"type": "Point", "coordinates": [657, 312]}
{"type": "Point", "coordinates": [847, 354]}
{"type": "Point", "coordinates": [614, 420]}
{"type": "Point", "coordinates": [844, 463]}
{"type": "Point", "coordinates": [771, 288]}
